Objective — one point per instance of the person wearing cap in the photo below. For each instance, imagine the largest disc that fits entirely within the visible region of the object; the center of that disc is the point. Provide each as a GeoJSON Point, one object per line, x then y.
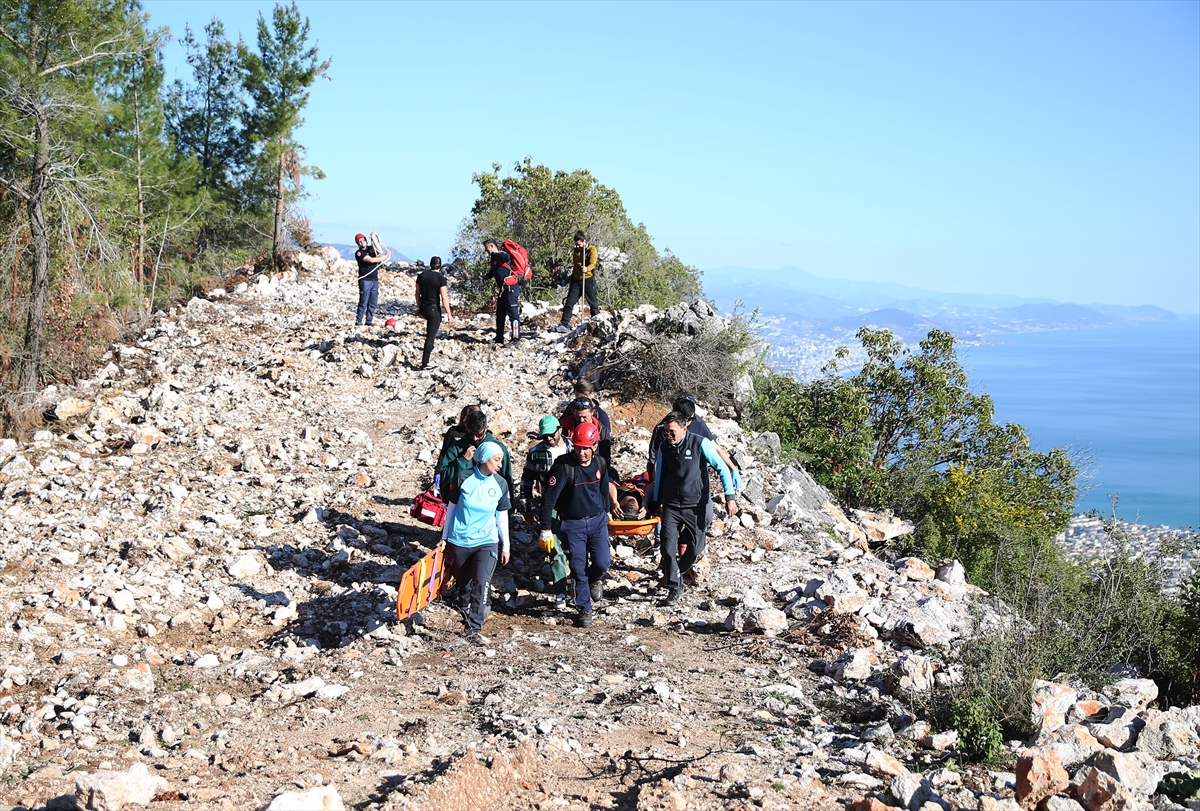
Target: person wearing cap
{"type": "Point", "coordinates": [580, 491]}
{"type": "Point", "coordinates": [538, 461]}
{"type": "Point", "coordinates": [508, 296]}
{"type": "Point", "coordinates": [433, 299]}
{"type": "Point", "coordinates": [368, 280]}
{"type": "Point", "coordinates": [678, 496]}
{"type": "Point", "coordinates": [584, 260]}
{"type": "Point", "coordinates": [475, 535]}
{"type": "Point", "coordinates": [458, 455]}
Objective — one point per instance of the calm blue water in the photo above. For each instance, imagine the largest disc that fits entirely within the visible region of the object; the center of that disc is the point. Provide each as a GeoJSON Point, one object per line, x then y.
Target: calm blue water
{"type": "Point", "coordinates": [1131, 396]}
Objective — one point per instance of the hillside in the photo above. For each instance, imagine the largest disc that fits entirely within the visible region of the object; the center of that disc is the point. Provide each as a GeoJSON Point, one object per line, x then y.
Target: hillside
{"type": "Point", "coordinates": [199, 577]}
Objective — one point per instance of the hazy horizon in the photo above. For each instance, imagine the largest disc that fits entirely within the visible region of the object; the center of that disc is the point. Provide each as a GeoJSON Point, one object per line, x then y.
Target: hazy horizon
{"type": "Point", "coordinates": [709, 273]}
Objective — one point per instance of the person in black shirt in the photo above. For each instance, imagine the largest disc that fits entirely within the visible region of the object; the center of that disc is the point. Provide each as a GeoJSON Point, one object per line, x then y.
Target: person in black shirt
{"type": "Point", "coordinates": [508, 296]}
{"type": "Point", "coordinates": [368, 280]}
{"type": "Point", "coordinates": [433, 298]}
{"type": "Point", "coordinates": [685, 406]}
{"type": "Point", "coordinates": [580, 492]}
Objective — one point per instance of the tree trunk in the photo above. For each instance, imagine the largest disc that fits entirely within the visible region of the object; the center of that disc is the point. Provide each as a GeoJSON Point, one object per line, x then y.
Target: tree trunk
{"type": "Point", "coordinates": [39, 287]}
{"type": "Point", "coordinates": [276, 244]}
{"type": "Point", "coordinates": [139, 263]}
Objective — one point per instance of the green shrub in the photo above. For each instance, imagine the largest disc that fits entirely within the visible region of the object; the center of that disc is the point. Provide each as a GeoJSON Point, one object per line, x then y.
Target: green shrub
{"type": "Point", "coordinates": [541, 209]}
{"type": "Point", "coordinates": [905, 432]}
{"type": "Point", "coordinates": [980, 737]}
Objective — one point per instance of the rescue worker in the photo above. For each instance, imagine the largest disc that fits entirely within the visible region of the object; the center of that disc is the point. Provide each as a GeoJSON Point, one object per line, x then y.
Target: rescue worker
{"type": "Point", "coordinates": [584, 261]}
{"type": "Point", "coordinates": [475, 535]}
{"type": "Point", "coordinates": [677, 495]}
{"type": "Point", "coordinates": [539, 459]}
{"type": "Point", "coordinates": [368, 280]}
{"type": "Point", "coordinates": [582, 410]}
{"type": "Point", "coordinates": [580, 491]}
{"type": "Point", "coordinates": [685, 406]}
{"type": "Point", "coordinates": [459, 453]}
{"type": "Point", "coordinates": [508, 296]}
{"type": "Point", "coordinates": [584, 390]}
{"type": "Point", "coordinates": [433, 301]}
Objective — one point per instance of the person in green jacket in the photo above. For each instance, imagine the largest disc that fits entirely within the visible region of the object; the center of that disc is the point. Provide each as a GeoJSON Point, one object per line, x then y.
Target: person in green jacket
{"type": "Point", "coordinates": [458, 454]}
{"type": "Point", "coordinates": [584, 261]}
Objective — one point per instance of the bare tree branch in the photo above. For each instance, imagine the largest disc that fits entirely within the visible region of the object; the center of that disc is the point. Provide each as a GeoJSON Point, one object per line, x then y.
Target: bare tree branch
{"type": "Point", "coordinates": [94, 55]}
{"type": "Point", "coordinates": [11, 186]}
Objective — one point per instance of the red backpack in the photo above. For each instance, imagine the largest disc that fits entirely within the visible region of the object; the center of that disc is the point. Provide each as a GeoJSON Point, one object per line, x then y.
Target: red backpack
{"type": "Point", "coordinates": [521, 272]}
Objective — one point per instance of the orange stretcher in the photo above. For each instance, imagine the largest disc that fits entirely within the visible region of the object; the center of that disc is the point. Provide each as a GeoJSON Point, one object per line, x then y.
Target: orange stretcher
{"type": "Point", "coordinates": [632, 528]}
{"type": "Point", "coordinates": [636, 527]}
{"type": "Point", "coordinates": [423, 583]}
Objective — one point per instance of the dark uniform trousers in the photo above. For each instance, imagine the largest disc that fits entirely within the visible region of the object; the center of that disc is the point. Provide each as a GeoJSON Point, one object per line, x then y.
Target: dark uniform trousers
{"type": "Point", "coordinates": [686, 525]}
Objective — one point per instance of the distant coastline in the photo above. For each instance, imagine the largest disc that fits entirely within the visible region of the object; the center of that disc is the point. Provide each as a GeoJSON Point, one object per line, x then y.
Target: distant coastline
{"type": "Point", "coordinates": [1121, 382]}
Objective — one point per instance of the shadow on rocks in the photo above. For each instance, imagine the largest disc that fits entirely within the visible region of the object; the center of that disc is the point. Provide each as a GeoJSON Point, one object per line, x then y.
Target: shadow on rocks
{"type": "Point", "coordinates": [350, 576]}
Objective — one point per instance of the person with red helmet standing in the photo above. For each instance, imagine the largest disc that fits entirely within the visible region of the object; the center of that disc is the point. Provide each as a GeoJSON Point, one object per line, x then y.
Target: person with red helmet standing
{"type": "Point", "coordinates": [580, 491]}
{"type": "Point", "coordinates": [368, 280]}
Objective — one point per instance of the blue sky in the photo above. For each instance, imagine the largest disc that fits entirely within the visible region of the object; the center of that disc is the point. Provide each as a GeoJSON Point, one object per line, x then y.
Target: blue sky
{"type": "Point", "coordinates": [1040, 149]}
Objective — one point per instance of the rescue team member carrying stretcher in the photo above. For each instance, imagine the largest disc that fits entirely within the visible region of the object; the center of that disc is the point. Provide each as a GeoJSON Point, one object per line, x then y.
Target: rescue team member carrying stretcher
{"type": "Point", "coordinates": [678, 495]}
{"type": "Point", "coordinates": [475, 535]}
{"type": "Point", "coordinates": [539, 460]}
{"type": "Point", "coordinates": [580, 491]}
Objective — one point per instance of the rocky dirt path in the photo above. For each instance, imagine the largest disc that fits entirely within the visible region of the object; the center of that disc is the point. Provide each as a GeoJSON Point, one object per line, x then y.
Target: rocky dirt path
{"type": "Point", "coordinates": [198, 587]}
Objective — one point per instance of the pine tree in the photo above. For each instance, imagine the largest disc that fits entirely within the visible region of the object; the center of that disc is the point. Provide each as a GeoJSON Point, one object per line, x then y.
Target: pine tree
{"type": "Point", "coordinates": [278, 78]}
{"type": "Point", "coordinates": [205, 119]}
{"type": "Point", "coordinates": [53, 53]}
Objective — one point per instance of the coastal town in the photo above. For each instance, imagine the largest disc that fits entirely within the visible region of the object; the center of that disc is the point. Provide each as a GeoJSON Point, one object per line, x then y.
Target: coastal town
{"type": "Point", "coordinates": [1175, 551]}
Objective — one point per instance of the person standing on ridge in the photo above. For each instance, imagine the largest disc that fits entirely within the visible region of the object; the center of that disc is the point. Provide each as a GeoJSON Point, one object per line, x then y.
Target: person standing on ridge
{"type": "Point", "coordinates": [538, 461]}
{"type": "Point", "coordinates": [508, 296]}
{"type": "Point", "coordinates": [580, 492]}
{"type": "Point", "coordinates": [433, 299]}
{"type": "Point", "coordinates": [584, 259]}
{"type": "Point", "coordinates": [678, 495]}
{"type": "Point", "coordinates": [475, 535]}
{"type": "Point", "coordinates": [368, 280]}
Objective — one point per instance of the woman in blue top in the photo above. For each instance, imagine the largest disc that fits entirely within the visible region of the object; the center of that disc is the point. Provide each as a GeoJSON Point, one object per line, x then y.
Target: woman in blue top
{"type": "Point", "coordinates": [476, 534]}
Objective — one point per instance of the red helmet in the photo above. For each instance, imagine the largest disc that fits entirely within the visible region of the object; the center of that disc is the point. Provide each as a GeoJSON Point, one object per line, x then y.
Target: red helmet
{"type": "Point", "coordinates": [391, 322]}
{"type": "Point", "coordinates": [585, 435]}
{"type": "Point", "coordinates": [357, 237]}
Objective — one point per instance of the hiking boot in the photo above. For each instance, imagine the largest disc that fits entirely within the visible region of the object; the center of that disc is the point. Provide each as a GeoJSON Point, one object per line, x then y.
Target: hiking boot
{"type": "Point", "coordinates": [477, 639]}
{"type": "Point", "coordinates": [560, 602]}
{"type": "Point", "coordinates": [586, 617]}
{"type": "Point", "coordinates": [560, 328]}
{"type": "Point", "coordinates": [597, 590]}
{"type": "Point", "coordinates": [673, 595]}
{"type": "Point", "coordinates": [498, 340]}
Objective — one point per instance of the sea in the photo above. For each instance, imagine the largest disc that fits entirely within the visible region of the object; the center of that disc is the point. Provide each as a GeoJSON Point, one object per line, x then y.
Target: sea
{"type": "Point", "coordinates": [1125, 398]}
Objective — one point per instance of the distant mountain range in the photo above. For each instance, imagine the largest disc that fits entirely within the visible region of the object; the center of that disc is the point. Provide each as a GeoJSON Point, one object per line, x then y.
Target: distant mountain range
{"type": "Point", "coordinates": [803, 304]}
{"type": "Point", "coordinates": [347, 252]}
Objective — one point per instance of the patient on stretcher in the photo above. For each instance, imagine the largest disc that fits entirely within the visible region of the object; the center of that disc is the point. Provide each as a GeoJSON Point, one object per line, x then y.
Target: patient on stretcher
{"type": "Point", "coordinates": [630, 500]}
